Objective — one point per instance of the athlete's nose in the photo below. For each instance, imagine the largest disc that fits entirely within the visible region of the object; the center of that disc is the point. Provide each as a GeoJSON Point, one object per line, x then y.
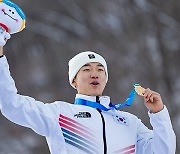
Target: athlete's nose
{"type": "Point", "coordinates": [94, 74]}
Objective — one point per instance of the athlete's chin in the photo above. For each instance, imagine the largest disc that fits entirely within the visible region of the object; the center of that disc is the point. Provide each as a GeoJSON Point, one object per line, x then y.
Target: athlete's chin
{"type": "Point", "coordinates": [95, 93]}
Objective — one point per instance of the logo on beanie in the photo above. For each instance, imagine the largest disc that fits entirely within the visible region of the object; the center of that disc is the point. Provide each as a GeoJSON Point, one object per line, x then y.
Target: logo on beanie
{"type": "Point", "coordinates": [91, 56]}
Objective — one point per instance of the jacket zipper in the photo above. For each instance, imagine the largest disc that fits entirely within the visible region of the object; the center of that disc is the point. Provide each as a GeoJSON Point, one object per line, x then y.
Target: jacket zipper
{"type": "Point", "coordinates": [103, 122]}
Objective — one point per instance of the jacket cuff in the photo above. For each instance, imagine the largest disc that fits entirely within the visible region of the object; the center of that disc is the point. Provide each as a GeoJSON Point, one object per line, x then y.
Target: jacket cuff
{"type": "Point", "coordinates": [160, 116]}
{"type": "Point", "coordinates": [160, 113]}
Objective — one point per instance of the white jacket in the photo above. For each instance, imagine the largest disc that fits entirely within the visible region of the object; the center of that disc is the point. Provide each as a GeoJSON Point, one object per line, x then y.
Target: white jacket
{"type": "Point", "coordinates": [79, 129]}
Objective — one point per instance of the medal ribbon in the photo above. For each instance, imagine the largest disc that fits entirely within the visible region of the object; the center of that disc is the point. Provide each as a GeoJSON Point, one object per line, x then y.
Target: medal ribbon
{"type": "Point", "coordinates": [112, 106]}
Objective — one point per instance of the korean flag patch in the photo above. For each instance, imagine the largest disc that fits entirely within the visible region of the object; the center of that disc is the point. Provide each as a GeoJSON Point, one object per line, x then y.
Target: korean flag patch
{"type": "Point", "coordinates": [121, 120]}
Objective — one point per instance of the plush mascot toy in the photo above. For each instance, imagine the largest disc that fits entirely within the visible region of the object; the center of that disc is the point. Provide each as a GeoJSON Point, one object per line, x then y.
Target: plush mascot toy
{"type": "Point", "coordinates": [12, 20]}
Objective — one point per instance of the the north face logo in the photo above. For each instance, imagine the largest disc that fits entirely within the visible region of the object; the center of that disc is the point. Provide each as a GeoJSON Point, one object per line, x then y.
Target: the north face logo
{"type": "Point", "coordinates": [83, 115]}
{"type": "Point", "coordinates": [91, 56]}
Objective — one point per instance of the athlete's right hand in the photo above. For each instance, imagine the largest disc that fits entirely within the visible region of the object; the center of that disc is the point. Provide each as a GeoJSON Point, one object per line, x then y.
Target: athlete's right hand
{"type": "Point", "coordinates": [4, 36]}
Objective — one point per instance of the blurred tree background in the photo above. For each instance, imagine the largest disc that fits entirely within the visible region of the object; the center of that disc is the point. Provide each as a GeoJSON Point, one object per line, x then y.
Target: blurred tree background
{"type": "Point", "coordinates": [140, 39]}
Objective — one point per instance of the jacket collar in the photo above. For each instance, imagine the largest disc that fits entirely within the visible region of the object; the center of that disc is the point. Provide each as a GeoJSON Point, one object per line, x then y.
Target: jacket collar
{"type": "Point", "coordinates": [104, 100]}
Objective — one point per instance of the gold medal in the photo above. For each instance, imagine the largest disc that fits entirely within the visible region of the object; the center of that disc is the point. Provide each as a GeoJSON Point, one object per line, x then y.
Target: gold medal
{"type": "Point", "coordinates": [139, 90]}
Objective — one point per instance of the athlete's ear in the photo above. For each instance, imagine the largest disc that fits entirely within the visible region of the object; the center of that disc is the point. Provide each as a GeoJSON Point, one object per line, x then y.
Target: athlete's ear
{"type": "Point", "coordinates": [74, 82]}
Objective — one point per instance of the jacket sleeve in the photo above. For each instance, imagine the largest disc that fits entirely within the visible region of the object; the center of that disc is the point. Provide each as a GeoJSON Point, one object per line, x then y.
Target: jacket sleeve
{"type": "Point", "coordinates": [23, 110]}
{"type": "Point", "coordinates": [161, 139]}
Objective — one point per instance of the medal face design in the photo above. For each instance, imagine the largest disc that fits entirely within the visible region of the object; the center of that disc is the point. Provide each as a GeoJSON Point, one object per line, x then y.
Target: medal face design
{"type": "Point", "coordinates": [139, 90]}
{"type": "Point", "coordinates": [120, 119]}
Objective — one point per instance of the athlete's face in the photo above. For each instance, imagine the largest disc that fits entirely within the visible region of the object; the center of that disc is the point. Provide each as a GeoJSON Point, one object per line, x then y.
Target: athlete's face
{"type": "Point", "coordinates": [91, 79]}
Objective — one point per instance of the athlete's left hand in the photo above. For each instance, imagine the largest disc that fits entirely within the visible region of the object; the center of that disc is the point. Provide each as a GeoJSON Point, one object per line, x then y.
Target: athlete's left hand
{"type": "Point", "coordinates": [153, 101]}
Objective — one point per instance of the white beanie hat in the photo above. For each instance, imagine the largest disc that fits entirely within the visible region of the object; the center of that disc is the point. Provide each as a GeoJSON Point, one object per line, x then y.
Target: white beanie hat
{"type": "Point", "coordinates": [81, 59]}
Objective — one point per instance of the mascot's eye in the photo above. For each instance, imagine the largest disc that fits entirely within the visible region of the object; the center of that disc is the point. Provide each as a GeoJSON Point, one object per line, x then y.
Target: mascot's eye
{"type": "Point", "coordinates": [9, 10]}
{"type": "Point", "coordinates": [12, 12]}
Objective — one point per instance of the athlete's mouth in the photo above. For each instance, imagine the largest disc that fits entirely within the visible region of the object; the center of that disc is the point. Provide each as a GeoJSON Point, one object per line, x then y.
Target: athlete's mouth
{"type": "Point", "coordinates": [95, 83]}
{"type": "Point", "coordinates": [9, 15]}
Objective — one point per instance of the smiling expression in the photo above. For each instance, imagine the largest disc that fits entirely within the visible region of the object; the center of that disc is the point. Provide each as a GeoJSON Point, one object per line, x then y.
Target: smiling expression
{"type": "Point", "coordinates": [11, 13]}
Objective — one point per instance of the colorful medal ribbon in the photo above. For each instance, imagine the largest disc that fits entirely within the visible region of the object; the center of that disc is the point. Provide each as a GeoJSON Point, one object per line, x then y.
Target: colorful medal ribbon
{"type": "Point", "coordinates": [137, 89]}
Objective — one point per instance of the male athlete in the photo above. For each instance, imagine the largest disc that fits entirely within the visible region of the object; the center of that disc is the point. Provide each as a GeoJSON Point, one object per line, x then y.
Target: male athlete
{"type": "Point", "coordinates": [92, 124]}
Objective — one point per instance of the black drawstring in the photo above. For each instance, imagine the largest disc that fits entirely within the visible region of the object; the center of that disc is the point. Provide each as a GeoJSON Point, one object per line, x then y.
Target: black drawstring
{"type": "Point", "coordinates": [97, 99]}
{"type": "Point", "coordinates": [103, 123]}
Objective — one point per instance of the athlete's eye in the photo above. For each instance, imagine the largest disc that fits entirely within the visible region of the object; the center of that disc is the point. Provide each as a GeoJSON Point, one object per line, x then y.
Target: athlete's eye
{"type": "Point", "coordinates": [86, 69]}
{"type": "Point", "coordinates": [100, 69]}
